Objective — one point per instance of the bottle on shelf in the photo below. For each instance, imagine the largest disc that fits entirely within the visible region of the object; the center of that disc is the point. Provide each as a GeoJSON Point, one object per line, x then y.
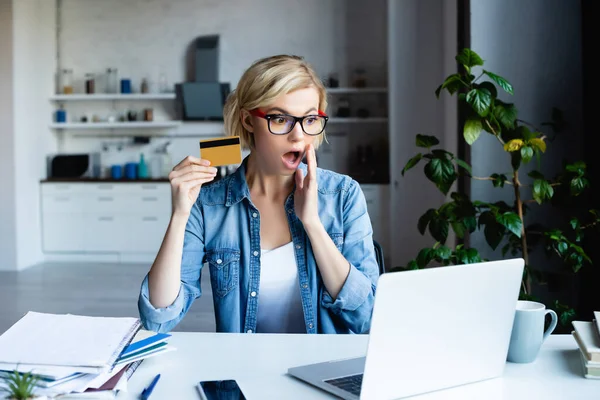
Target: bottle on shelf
{"type": "Point", "coordinates": [142, 168]}
{"type": "Point", "coordinates": [66, 81]}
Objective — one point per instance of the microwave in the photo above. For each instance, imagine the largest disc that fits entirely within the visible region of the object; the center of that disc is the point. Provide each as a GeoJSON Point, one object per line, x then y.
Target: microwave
{"type": "Point", "coordinates": [84, 165]}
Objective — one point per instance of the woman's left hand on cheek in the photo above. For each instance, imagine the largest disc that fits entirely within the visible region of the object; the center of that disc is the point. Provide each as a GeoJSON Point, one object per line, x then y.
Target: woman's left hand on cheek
{"type": "Point", "coordinates": [305, 196]}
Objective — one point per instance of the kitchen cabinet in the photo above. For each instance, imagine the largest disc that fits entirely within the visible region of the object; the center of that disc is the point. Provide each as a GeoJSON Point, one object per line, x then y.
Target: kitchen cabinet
{"type": "Point", "coordinates": [98, 218]}
{"type": "Point", "coordinates": [378, 205]}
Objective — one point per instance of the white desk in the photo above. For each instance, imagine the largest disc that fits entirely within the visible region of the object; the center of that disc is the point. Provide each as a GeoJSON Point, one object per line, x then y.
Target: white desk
{"type": "Point", "coordinates": [259, 364]}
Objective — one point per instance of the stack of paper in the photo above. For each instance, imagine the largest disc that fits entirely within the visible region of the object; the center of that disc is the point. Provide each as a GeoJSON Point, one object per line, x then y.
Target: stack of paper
{"type": "Point", "coordinates": [90, 357]}
{"type": "Point", "coordinates": [587, 336]}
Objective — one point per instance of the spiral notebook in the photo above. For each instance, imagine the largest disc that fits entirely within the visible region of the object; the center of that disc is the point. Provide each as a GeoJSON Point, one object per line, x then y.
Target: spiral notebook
{"type": "Point", "coordinates": [66, 340]}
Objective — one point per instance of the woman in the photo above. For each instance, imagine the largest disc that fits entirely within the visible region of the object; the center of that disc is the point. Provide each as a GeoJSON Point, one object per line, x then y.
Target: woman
{"type": "Point", "coordinates": [289, 246]}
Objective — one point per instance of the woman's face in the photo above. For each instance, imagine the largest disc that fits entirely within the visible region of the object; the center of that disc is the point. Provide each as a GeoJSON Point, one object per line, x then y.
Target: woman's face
{"type": "Point", "coordinates": [281, 154]}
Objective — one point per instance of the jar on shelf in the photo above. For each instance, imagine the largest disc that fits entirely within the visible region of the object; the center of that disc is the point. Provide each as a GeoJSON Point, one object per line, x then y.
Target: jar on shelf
{"type": "Point", "coordinates": [359, 78]}
{"type": "Point", "coordinates": [66, 81]}
{"type": "Point", "coordinates": [112, 80]}
{"type": "Point", "coordinates": [90, 83]}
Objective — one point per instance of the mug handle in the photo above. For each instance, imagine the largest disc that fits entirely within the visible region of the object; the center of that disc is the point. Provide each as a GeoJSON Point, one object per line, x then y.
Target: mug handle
{"type": "Point", "coordinates": [553, 323]}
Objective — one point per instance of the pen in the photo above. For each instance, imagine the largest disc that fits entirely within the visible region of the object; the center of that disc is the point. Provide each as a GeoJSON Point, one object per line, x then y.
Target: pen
{"type": "Point", "coordinates": [148, 391]}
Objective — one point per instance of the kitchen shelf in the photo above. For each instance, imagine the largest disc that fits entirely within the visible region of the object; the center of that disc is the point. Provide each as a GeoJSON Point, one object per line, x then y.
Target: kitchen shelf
{"type": "Point", "coordinates": [116, 96]}
{"type": "Point", "coordinates": [343, 90]}
{"type": "Point", "coordinates": [115, 125]}
{"type": "Point", "coordinates": [338, 120]}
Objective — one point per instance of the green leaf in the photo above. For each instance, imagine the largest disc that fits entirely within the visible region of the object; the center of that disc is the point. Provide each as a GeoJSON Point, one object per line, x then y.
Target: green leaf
{"type": "Point", "coordinates": [443, 252]}
{"type": "Point", "coordinates": [503, 83]}
{"type": "Point", "coordinates": [472, 130]}
{"type": "Point", "coordinates": [427, 141]}
{"type": "Point", "coordinates": [424, 220]}
{"type": "Point", "coordinates": [459, 229]}
{"type": "Point", "coordinates": [412, 264]}
{"type": "Point", "coordinates": [506, 113]}
{"type": "Point", "coordinates": [463, 165]}
{"type": "Point", "coordinates": [510, 221]}
{"type": "Point", "coordinates": [578, 185]}
{"type": "Point", "coordinates": [498, 180]}
{"type": "Point", "coordinates": [412, 162]}
{"type": "Point", "coordinates": [468, 58]}
{"type": "Point", "coordinates": [577, 167]}
{"type": "Point", "coordinates": [441, 172]}
{"type": "Point", "coordinates": [480, 100]}
{"type": "Point", "coordinates": [493, 231]}
{"type": "Point", "coordinates": [525, 133]}
{"type": "Point", "coordinates": [489, 86]}
{"type": "Point", "coordinates": [452, 84]}
{"type": "Point", "coordinates": [542, 190]}
{"type": "Point", "coordinates": [438, 228]}
{"type": "Point", "coordinates": [562, 247]}
{"type": "Point", "coordinates": [536, 175]}
{"type": "Point", "coordinates": [526, 153]}
{"type": "Point", "coordinates": [424, 257]}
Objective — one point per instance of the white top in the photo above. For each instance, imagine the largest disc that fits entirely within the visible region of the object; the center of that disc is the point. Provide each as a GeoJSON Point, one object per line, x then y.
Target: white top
{"type": "Point", "coordinates": [279, 302]}
{"type": "Point", "coordinates": [259, 363]}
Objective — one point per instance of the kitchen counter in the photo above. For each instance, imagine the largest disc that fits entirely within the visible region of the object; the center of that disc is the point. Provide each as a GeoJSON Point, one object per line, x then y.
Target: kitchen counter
{"type": "Point", "coordinates": [102, 180]}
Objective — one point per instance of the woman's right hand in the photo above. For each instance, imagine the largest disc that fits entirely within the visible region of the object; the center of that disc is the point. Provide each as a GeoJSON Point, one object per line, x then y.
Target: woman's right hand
{"type": "Point", "coordinates": [186, 179]}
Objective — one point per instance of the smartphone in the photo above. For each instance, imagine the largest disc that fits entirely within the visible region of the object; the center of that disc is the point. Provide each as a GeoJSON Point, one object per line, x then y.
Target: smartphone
{"type": "Point", "coordinates": [220, 390]}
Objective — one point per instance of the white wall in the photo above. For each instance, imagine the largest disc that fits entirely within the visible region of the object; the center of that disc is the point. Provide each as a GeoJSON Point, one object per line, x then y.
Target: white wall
{"type": "Point", "coordinates": [422, 45]}
{"type": "Point", "coordinates": [34, 61]}
{"type": "Point", "coordinates": [536, 46]}
{"type": "Point", "coordinates": [7, 179]}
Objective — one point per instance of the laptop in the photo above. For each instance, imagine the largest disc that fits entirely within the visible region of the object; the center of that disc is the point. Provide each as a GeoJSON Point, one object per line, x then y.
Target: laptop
{"type": "Point", "coordinates": [431, 329]}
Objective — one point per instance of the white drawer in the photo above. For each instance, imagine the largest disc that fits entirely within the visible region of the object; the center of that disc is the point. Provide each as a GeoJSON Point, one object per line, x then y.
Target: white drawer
{"type": "Point", "coordinates": [107, 202]}
{"type": "Point", "coordinates": [51, 188]}
{"type": "Point", "coordinates": [104, 232]}
{"type": "Point", "coordinates": [152, 204]}
{"type": "Point", "coordinates": [148, 189]}
{"type": "Point", "coordinates": [144, 233]}
{"type": "Point", "coordinates": [106, 188]}
{"type": "Point", "coordinates": [63, 203]}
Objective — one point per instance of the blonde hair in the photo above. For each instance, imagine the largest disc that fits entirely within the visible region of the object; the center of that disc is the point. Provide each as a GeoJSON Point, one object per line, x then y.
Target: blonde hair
{"type": "Point", "coordinates": [264, 81]}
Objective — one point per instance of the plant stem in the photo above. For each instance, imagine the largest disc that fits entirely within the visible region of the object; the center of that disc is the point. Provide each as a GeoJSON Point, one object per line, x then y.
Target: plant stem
{"type": "Point", "coordinates": [494, 132]}
{"type": "Point", "coordinates": [527, 283]}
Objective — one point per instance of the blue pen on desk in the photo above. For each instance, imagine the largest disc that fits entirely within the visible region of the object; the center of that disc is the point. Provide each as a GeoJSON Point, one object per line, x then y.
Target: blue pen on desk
{"type": "Point", "coordinates": [148, 391]}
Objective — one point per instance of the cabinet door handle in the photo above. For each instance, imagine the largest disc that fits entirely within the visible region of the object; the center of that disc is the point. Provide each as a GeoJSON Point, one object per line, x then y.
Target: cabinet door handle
{"type": "Point", "coordinates": [149, 187]}
{"type": "Point", "coordinates": [105, 187]}
{"type": "Point", "coordinates": [149, 219]}
{"type": "Point", "coordinates": [63, 187]}
{"type": "Point", "coordinates": [149, 198]}
{"type": "Point", "coordinates": [105, 218]}
{"type": "Point", "coordinates": [62, 199]}
{"type": "Point", "coordinates": [106, 198]}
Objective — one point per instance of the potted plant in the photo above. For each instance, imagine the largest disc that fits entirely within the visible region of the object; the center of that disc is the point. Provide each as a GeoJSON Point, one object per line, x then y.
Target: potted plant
{"type": "Point", "coordinates": [501, 223]}
{"type": "Point", "coordinates": [21, 386]}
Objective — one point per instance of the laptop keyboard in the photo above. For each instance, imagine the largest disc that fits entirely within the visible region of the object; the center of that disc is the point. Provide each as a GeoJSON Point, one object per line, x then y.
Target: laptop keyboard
{"type": "Point", "coordinates": [351, 383]}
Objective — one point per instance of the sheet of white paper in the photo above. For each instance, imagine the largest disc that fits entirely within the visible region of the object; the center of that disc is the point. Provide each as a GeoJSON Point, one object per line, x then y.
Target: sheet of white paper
{"type": "Point", "coordinates": [69, 340]}
{"type": "Point", "coordinates": [53, 371]}
{"type": "Point", "coordinates": [102, 378]}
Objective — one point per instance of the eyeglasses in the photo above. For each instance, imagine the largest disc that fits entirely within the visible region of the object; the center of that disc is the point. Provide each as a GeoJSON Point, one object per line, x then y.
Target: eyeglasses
{"type": "Point", "coordinates": [282, 124]}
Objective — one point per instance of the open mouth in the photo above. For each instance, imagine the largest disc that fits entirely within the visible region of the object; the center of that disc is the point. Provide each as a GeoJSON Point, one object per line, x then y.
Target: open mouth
{"type": "Point", "coordinates": [292, 158]}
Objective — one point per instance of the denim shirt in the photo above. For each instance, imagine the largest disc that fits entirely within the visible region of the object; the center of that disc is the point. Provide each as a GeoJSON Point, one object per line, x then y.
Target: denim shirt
{"type": "Point", "coordinates": [223, 232]}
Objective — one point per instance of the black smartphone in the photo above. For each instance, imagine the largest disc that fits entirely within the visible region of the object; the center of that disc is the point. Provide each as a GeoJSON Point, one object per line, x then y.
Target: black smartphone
{"type": "Point", "coordinates": [220, 390]}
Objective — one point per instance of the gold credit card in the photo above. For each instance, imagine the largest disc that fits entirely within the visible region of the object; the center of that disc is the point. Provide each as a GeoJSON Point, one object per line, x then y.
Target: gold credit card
{"type": "Point", "coordinates": [221, 151]}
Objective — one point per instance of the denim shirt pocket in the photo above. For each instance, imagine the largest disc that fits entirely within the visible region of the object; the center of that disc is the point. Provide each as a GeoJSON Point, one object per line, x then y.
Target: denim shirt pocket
{"type": "Point", "coordinates": [338, 239]}
{"type": "Point", "coordinates": [224, 270]}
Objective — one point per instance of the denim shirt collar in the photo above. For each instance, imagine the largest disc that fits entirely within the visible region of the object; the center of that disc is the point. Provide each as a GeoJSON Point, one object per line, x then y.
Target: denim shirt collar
{"type": "Point", "coordinates": [237, 187]}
